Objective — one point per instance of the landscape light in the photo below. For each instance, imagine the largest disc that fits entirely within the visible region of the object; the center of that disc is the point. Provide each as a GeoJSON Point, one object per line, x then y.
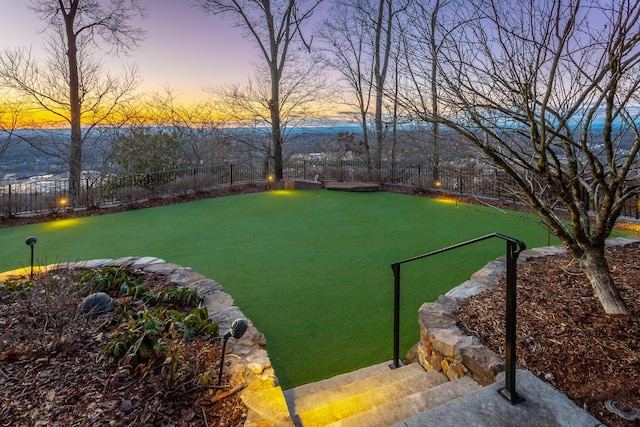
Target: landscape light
{"type": "Point", "coordinates": [438, 184]}
{"type": "Point", "coordinates": [237, 330]}
{"type": "Point", "coordinates": [31, 241]}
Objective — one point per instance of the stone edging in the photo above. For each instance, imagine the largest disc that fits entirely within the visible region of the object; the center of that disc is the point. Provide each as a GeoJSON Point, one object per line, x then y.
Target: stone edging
{"type": "Point", "coordinates": [247, 361]}
{"type": "Point", "coordinates": [444, 347]}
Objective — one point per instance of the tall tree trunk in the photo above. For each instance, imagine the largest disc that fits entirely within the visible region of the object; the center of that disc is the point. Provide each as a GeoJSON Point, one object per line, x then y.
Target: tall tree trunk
{"type": "Point", "coordinates": [381, 61]}
{"type": "Point", "coordinates": [435, 149]}
{"type": "Point", "coordinates": [75, 155]}
{"type": "Point", "coordinates": [276, 133]}
{"type": "Point", "coordinates": [597, 271]}
{"type": "Point", "coordinates": [365, 140]}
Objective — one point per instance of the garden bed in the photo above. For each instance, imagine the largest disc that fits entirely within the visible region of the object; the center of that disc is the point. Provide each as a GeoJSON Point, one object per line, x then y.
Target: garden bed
{"type": "Point", "coordinates": [563, 335]}
{"type": "Point", "coordinates": [143, 364]}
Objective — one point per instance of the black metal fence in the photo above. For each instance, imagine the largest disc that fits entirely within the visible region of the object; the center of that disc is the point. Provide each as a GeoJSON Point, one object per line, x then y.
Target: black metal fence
{"type": "Point", "coordinates": [49, 195]}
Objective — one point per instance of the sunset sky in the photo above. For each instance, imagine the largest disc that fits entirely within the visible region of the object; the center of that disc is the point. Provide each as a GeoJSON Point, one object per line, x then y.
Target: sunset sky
{"type": "Point", "coordinates": [185, 50]}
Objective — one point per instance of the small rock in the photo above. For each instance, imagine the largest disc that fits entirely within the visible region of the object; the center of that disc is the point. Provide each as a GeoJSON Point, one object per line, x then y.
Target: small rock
{"type": "Point", "coordinates": [187, 414]}
{"type": "Point", "coordinates": [126, 405]}
{"type": "Point", "coordinates": [122, 374]}
{"type": "Point", "coordinates": [97, 304]}
{"type": "Point", "coordinates": [549, 376]}
{"type": "Point", "coordinates": [44, 374]}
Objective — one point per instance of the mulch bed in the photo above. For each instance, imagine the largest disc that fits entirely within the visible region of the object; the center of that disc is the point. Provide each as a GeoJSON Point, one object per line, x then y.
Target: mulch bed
{"type": "Point", "coordinates": [563, 335]}
{"type": "Point", "coordinates": [53, 371]}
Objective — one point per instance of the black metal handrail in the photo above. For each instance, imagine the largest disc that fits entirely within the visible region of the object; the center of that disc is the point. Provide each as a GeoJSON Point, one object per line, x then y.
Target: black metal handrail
{"type": "Point", "coordinates": [514, 247]}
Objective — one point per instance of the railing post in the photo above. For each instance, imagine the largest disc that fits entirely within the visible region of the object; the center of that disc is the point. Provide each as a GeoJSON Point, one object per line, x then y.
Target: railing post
{"type": "Point", "coordinates": [396, 316]}
{"type": "Point", "coordinates": [514, 247]}
{"type": "Point", "coordinates": [509, 390]}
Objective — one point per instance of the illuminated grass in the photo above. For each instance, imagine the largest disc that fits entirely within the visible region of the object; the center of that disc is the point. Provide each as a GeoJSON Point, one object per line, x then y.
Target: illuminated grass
{"type": "Point", "coordinates": [311, 269]}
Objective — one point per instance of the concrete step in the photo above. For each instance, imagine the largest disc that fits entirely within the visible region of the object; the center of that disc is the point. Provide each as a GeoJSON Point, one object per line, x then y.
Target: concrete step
{"type": "Point", "coordinates": [333, 400]}
{"type": "Point", "coordinates": [406, 407]}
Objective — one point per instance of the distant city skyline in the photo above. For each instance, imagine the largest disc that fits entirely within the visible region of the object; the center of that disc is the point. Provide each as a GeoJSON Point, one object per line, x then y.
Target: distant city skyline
{"type": "Point", "coordinates": [184, 49]}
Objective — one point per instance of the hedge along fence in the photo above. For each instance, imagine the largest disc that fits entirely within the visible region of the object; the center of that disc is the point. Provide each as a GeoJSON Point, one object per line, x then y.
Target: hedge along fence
{"type": "Point", "coordinates": [49, 196]}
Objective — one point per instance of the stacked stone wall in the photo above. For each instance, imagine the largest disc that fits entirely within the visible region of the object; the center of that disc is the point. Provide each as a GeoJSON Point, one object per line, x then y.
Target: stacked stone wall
{"type": "Point", "coordinates": [444, 347]}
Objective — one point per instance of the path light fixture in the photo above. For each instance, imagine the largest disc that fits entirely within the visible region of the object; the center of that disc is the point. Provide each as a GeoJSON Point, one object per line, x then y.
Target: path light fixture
{"type": "Point", "coordinates": [237, 330]}
{"type": "Point", "coordinates": [31, 241]}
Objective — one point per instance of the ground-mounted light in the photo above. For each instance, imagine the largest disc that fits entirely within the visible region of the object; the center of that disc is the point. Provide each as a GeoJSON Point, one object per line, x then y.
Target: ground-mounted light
{"type": "Point", "coordinates": [31, 241]}
{"type": "Point", "coordinates": [437, 184]}
{"type": "Point", "coordinates": [237, 330]}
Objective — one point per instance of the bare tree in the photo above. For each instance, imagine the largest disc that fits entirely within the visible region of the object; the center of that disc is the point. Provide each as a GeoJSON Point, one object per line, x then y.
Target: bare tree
{"type": "Point", "coordinates": [277, 29]}
{"type": "Point", "coordinates": [548, 90]}
{"type": "Point", "coordinates": [13, 114]}
{"type": "Point", "coordinates": [359, 35]}
{"type": "Point", "coordinates": [386, 15]}
{"type": "Point", "coordinates": [302, 90]}
{"type": "Point", "coordinates": [347, 36]}
{"type": "Point", "coordinates": [70, 84]}
{"type": "Point", "coordinates": [160, 133]}
{"type": "Point", "coordinates": [423, 40]}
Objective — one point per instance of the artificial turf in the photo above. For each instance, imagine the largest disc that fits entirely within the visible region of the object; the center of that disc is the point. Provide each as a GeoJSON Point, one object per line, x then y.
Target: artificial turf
{"type": "Point", "coordinates": [311, 269]}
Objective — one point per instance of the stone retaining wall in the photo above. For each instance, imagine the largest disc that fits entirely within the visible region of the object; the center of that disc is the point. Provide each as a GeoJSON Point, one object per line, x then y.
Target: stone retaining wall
{"type": "Point", "coordinates": [444, 347]}
{"type": "Point", "coordinates": [302, 184]}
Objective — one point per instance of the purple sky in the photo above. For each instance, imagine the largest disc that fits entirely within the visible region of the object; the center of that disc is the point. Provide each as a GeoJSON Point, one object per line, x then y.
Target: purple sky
{"type": "Point", "coordinates": [184, 49]}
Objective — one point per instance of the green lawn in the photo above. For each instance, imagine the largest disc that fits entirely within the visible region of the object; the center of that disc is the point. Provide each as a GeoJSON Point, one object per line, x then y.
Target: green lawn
{"type": "Point", "coordinates": [311, 269]}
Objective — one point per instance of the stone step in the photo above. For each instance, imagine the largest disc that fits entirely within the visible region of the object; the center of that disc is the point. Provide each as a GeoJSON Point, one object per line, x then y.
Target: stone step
{"type": "Point", "coordinates": [339, 380]}
{"type": "Point", "coordinates": [542, 406]}
{"type": "Point", "coordinates": [333, 404]}
{"type": "Point", "coordinates": [359, 384]}
{"type": "Point", "coordinates": [411, 405]}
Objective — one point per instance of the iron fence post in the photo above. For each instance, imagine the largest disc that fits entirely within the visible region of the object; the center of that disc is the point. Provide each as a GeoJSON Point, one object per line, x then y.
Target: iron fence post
{"type": "Point", "coordinates": [396, 316]}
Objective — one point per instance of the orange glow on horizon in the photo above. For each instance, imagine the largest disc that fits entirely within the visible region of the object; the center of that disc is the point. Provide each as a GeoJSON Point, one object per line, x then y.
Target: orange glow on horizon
{"type": "Point", "coordinates": [150, 108]}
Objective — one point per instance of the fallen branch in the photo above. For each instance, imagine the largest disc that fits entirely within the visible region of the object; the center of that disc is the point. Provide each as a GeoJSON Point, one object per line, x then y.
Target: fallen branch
{"type": "Point", "coordinates": [222, 395]}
